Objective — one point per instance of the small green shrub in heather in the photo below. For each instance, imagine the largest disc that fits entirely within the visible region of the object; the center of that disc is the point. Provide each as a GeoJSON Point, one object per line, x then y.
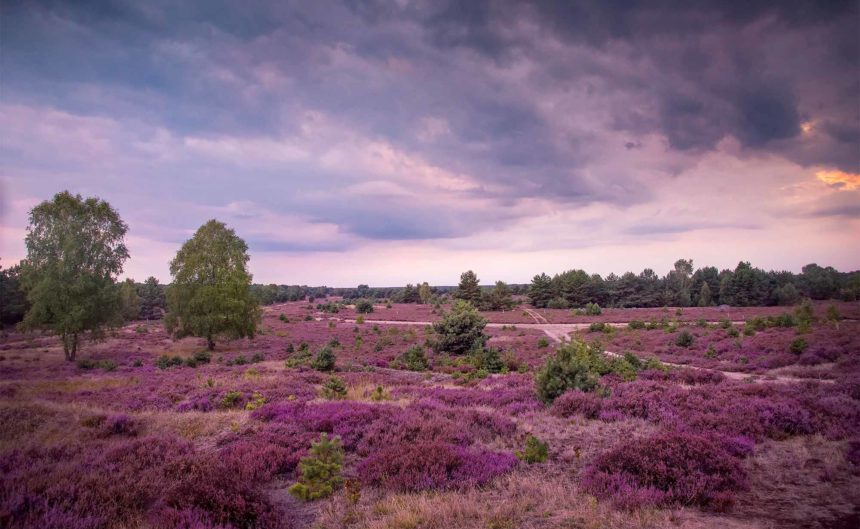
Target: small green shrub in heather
{"type": "Point", "coordinates": [575, 365]}
{"type": "Point", "coordinates": [542, 343]}
{"type": "Point", "coordinates": [324, 360]}
{"type": "Point", "coordinates": [320, 470]}
{"type": "Point", "coordinates": [536, 451]}
{"type": "Point", "coordinates": [414, 359]}
{"type": "Point", "coordinates": [798, 345]}
{"type": "Point", "coordinates": [334, 388]}
{"type": "Point", "coordinates": [593, 309]}
{"type": "Point", "coordinates": [363, 306]}
{"type": "Point", "coordinates": [684, 339]}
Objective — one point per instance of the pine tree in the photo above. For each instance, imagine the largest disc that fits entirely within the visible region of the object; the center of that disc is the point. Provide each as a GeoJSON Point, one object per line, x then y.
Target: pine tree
{"type": "Point", "coordinates": [320, 471]}
{"type": "Point", "coordinates": [469, 289]}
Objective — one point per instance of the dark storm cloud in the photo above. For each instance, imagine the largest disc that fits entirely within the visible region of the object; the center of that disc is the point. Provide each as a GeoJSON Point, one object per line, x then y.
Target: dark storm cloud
{"type": "Point", "coordinates": [528, 99]}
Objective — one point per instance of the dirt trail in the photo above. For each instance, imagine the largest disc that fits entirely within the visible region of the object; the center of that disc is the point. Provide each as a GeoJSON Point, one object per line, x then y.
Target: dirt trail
{"type": "Point", "coordinates": [536, 316]}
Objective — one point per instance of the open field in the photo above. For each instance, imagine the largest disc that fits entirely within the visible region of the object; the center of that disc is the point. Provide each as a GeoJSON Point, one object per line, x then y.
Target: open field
{"type": "Point", "coordinates": [151, 439]}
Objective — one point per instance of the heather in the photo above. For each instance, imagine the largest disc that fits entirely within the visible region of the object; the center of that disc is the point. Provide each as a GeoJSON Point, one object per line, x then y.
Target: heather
{"type": "Point", "coordinates": [669, 468]}
{"type": "Point", "coordinates": [395, 424]}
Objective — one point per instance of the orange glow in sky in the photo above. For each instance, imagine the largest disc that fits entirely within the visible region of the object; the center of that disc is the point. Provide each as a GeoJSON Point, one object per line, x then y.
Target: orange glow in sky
{"type": "Point", "coordinates": [840, 179]}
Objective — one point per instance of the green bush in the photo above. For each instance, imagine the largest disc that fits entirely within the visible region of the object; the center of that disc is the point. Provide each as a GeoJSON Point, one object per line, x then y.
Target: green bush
{"type": "Point", "coordinates": [320, 470]}
{"type": "Point", "coordinates": [230, 399]}
{"type": "Point", "coordinates": [557, 303]}
{"type": "Point", "coordinates": [487, 358]}
{"type": "Point", "coordinates": [414, 359]}
{"type": "Point", "coordinates": [536, 451]}
{"type": "Point", "coordinates": [542, 342]}
{"type": "Point", "coordinates": [684, 339]}
{"type": "Point", "coordinates": [257, 400]}
{"type": "Point", "coordinates": [733, 331]}
{"type": "Point", "coordinates": [597, 327]}
{"type": "Point", "coordinates": [593, 309]}
{"type": "Point", "coordinates": [334, 388]}
{"type": "Point", "coordinates": [460, 330]}
{"type": "Point", "coordinates": [324, 360]}
{"type": "Point", "coordinates": [203, 357]}
{"type": "Point", "coordinates": [165, 361]}
{"type": "Point", "coordinates": [575, 365]}
{"type": "Point", "coordinates": [798, 345]}
{"type": "Point", "coordinates": [636, 325]}
{"type": "Point", "coordinates": [363, 306]}
{"type": "Point", "coordinates": [283, 317]}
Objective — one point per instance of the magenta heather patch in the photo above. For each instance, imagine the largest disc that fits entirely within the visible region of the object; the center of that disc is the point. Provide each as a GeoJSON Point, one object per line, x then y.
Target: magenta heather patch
{"type": "Point", "coordinates": [576, 402]}
{"type": "Point", "coordinates": [432, 466]}
{"type": "Point", "coordinates": [672, 468]}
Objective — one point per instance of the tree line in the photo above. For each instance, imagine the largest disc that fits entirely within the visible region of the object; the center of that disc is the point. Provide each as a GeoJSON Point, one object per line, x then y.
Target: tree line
{"type": "Point", "coordinates": [684, 287]}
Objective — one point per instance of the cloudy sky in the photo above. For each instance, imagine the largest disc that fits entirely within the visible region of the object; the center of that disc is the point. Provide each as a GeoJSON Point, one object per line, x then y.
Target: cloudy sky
{"type": "Point", "coordinates": [391, 141]}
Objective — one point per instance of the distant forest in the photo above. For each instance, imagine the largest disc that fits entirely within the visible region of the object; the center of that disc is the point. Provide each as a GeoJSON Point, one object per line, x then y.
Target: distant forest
{"type": "Point", "coordinates": [683, 286]}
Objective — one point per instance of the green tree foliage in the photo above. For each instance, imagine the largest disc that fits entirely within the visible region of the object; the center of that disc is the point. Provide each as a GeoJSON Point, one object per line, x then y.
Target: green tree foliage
{"type": "Point", "coordinates": [129, 300]}
{"type": "Point", "coordinates": [152, 300]}
{"type": "Point", "coordinates": [75, 251]}
{"type": "Point", "coordinates": [325, 359]}
{"type": "Point", "coordinates": [500, 298]}
{"type": "Point", "coordinates": [536, 451]}
{"type": "Point", "coordinates": [540, 292]}
{"type": "Point", "coordinates": [486, 358]}
{"type": "Point", "coordinates": [460, 330]}
{"type": "Point", "coordinates": [469, 289]}
{"type": "Point", "coordinates": [425, 293]}
{"type": "Point", "coordinates": [13, 301]}
{"type": "Point", "coordinates": [575, 365]}
{"type": "Point", "coordinates": [705, 298]}
{"type": "Point", "coordinates": [414, 359]}
{"type": "Point", "coordinates": [210, 294]}
{"type": "Point", "coordinates": [787, 294]}
{"type": "Point", "coordinates": [820, 283]}
{"type": "Point", "coordinates": [320, 470]}
{"type": "Point", "coordinates": [334, 388]}
{"type": "Point", "coordinates": [364, 306]}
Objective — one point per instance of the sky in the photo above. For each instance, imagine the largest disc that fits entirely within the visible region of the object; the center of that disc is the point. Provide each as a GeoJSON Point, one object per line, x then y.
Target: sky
{"type": "Point", "coordinates": [386, 142]}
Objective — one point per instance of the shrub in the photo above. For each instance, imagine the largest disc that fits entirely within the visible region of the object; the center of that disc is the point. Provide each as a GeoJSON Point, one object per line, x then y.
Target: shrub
{"type": "Point", "coordinates": [597, 326]}
{"type": "Point", "coordinates": [804, 313]}
{"type": "Point", "coordinates": [230, 399]}
{"type": "Point", "coordinates": [576, 402]}
{"type": "Point", "coordinates": [575, 365]}
{"type": "Point", "coordinates": [671, 468]}
{"type": "Point", "coordinates": [460, 330]}
{"type": "Point", "coordinates": [733, 332]}
{"type": "Point", "coordinates": [363, 306]}
{"type": "Point", "coordinates": [832, 315]}
{"type": "Point", "coordinates": [257, 357]}
{"type": "Point", "coordinates": [432, 466]}
{"type": "Point", "coordinates": [379, 394]}
{"type": "Point", "coordinates": [257, 400]}
{"type": "Point", "coordinates": [203, 357]}
{"type": "Point", "coordinates": [592, 309]}
{"type": "Point", "coordinates": [334, 388]}
{"type": "Point", "coordinates": [324, 360]}
{"type": "Point", "coordinates": [414, 359]}
{"type": "Point", "coordinates": [557, 303]}
{"type": "Point", "coordinates": [191, 362]}
{"type": "Point", "coordinates": [360, 319]}
{"type": "Point", "coordinates": [542, 342]}
{"type": "Point", "coordinates": [684, 339]}
{"type": "Point", "coordinates": [798, 346]}
{"type": "Point", "coordinates": [165, 361]}
{"type": "Point", "coordinates": [283, 317]}
{"type": "Point", "coordinates": [320, 471]}
{"type": "Point", "coordinates": [636, 325]}
{"type": "Point", "coordinates": [536, 451]}
{"type": "Point", "coordinates": [487, 359]}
